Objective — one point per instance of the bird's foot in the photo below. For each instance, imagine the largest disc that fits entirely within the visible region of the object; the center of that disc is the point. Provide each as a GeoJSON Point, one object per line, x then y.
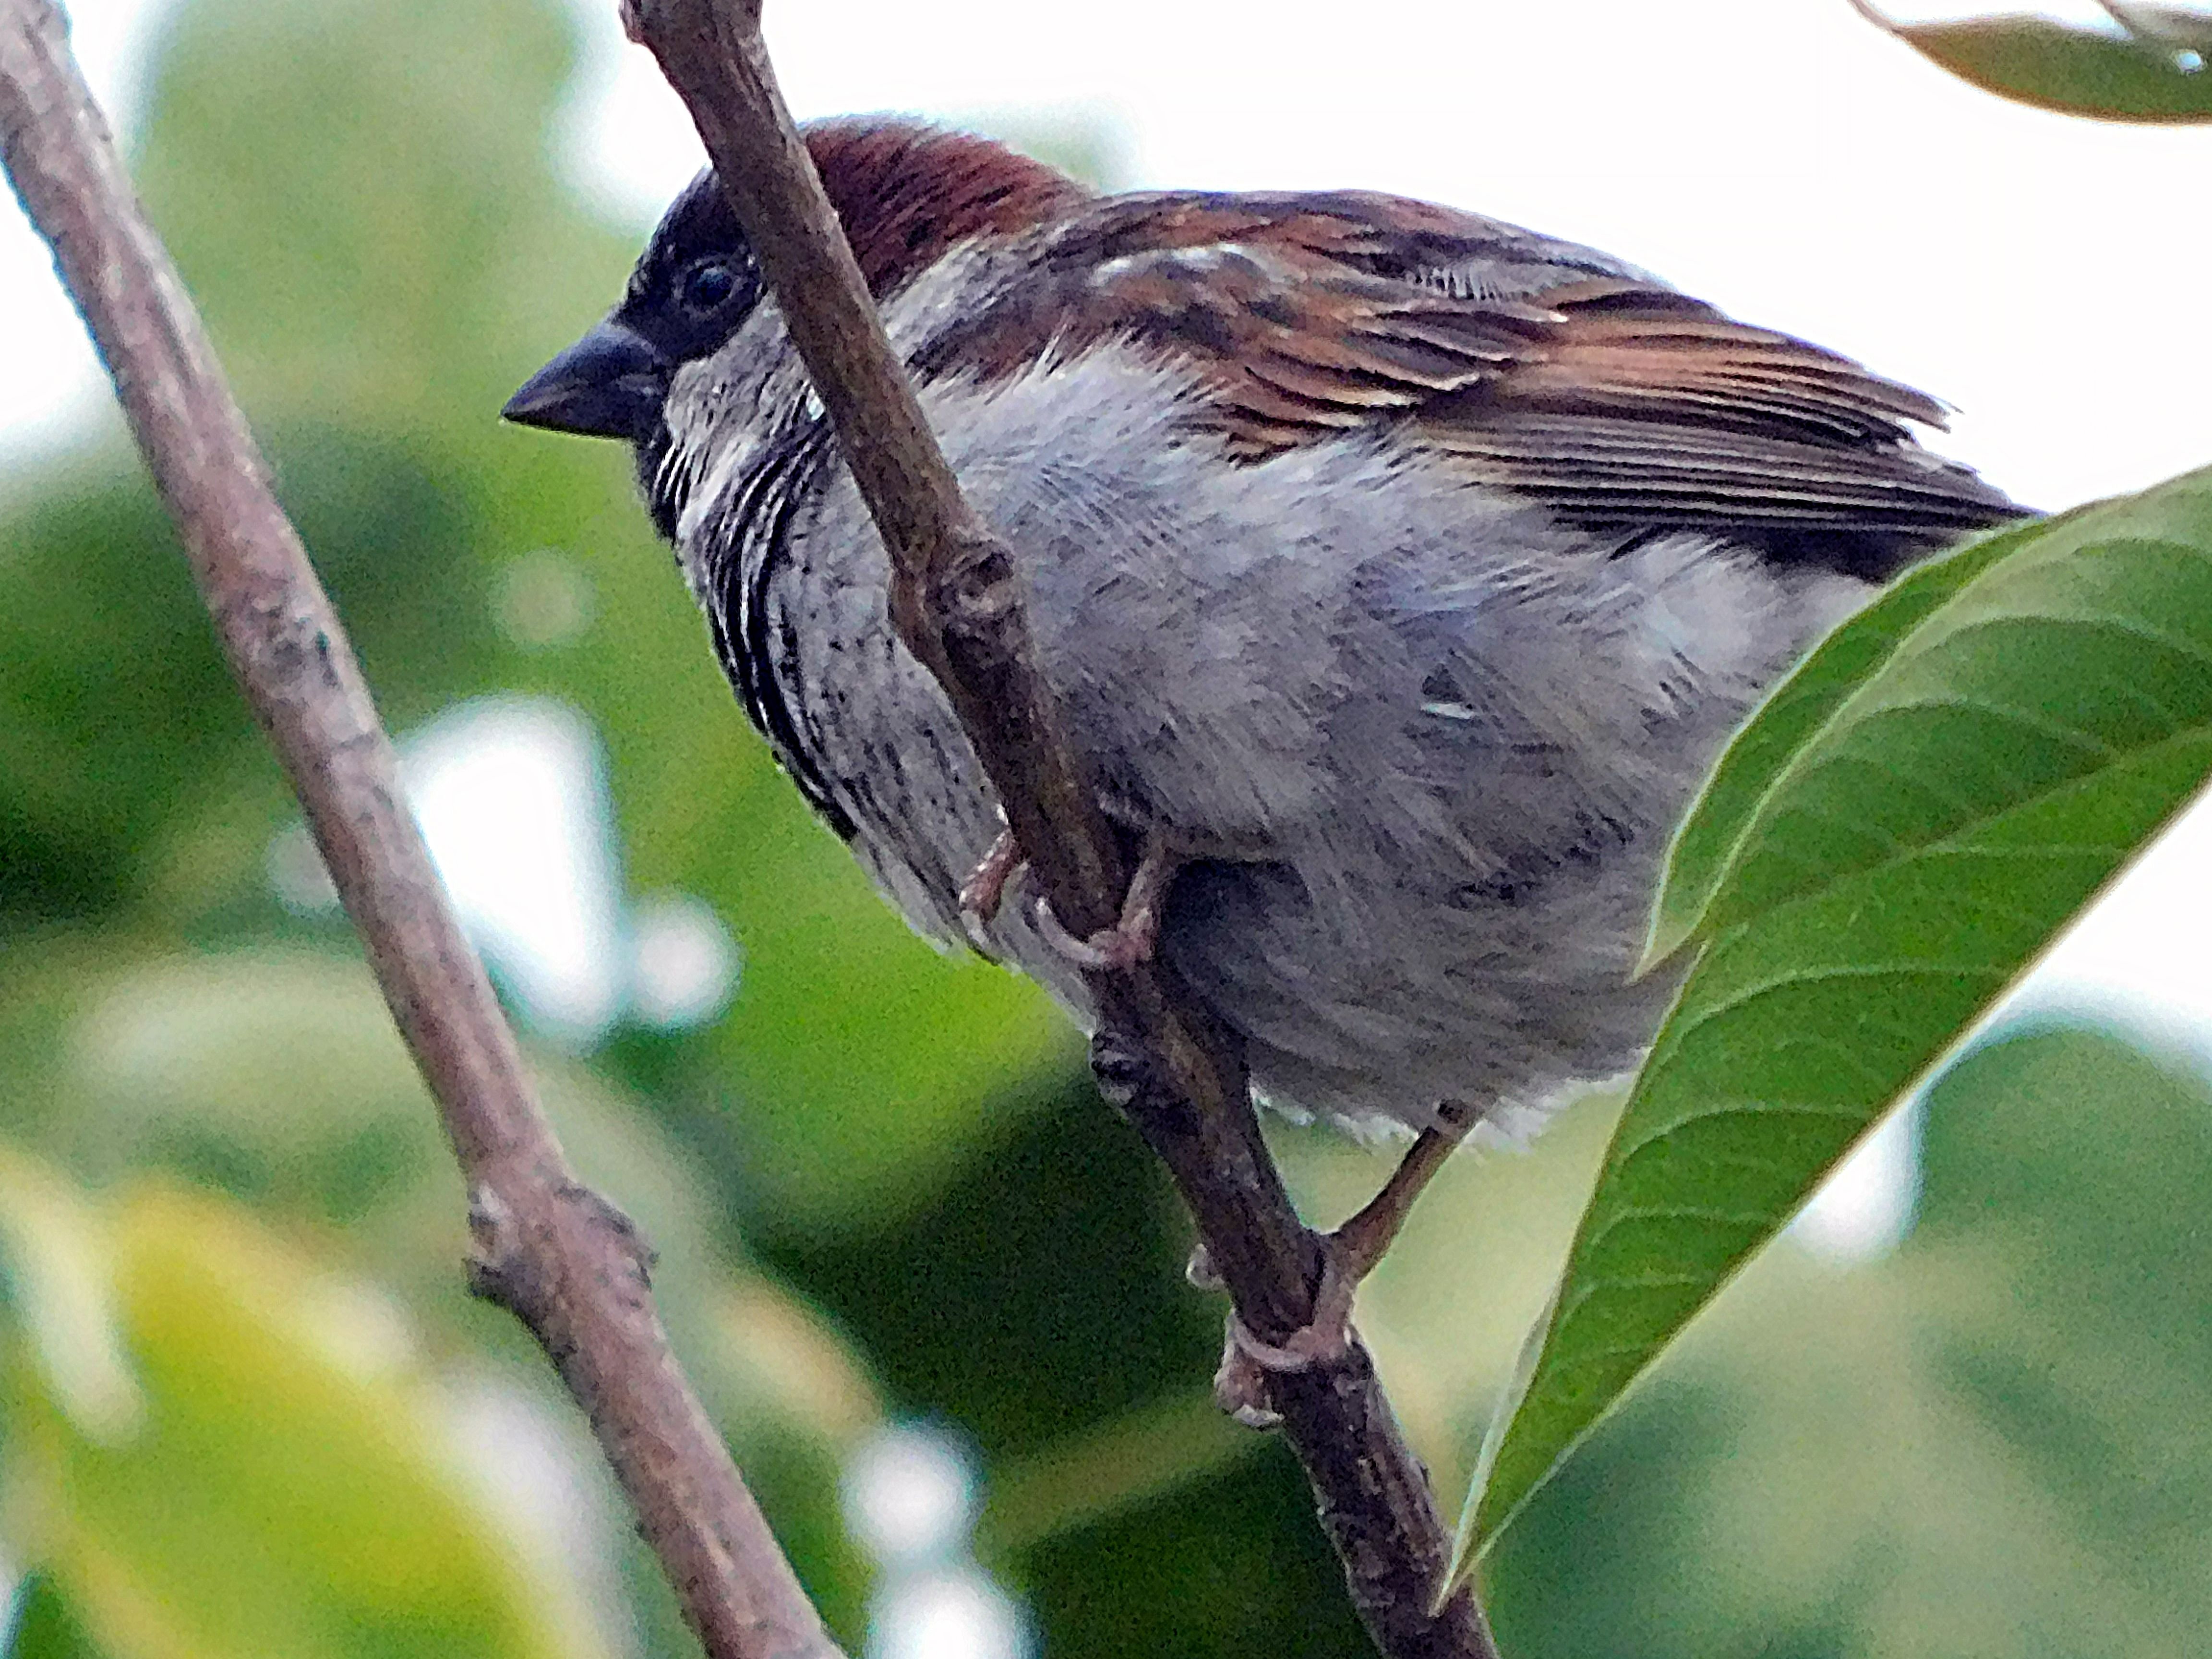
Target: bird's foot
{"type": "Point", "coordinates": [1240, 1385]}
{"type": "Point", "coordinates": [1133, 938]}
{"type": "Point", "coordinates": [1347, 1256]}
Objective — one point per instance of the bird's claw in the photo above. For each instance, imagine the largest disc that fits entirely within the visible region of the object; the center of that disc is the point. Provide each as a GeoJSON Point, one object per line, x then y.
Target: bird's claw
{"type": "Point", "coordinates": [1240, 1386]}
{"type": "Point", "coordinates": [1133, 938]}
{"type": "Point", "coordinates": [1128, 943]}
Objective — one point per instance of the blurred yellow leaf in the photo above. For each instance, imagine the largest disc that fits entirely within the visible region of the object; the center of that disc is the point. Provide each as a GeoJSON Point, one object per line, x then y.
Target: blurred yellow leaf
{"type": "Point", "coordinates": [792, 1365]}
{"type": "Point", "coordinates": [286, 1491]}
{"type": "Point", "coordinates": [55, 1254]}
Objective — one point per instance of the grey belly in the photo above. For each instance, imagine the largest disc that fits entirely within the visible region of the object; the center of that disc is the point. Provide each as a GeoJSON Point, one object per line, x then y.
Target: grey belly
{"type": "Point", "coordinates": [1420, 748]}
{"type": "Point", "coordinates": [1504, 1004]}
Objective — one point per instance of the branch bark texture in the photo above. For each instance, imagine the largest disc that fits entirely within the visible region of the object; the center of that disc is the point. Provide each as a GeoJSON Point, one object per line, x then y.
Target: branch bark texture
{"type": "Point", "coordinates": [568, 1264]}
{"type": "Point", "coordinates": [956, 601]}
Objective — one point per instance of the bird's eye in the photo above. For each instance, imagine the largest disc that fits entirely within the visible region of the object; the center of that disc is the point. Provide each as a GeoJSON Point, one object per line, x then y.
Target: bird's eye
{"type": "Point", "coordinates": [706, 286]}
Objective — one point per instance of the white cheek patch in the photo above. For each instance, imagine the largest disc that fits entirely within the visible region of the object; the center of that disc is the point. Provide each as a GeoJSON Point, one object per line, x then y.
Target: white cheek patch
{"type": "Point", "coordinates": [709, 456]}
{"type": "Point", "coordinates": [724, 464]}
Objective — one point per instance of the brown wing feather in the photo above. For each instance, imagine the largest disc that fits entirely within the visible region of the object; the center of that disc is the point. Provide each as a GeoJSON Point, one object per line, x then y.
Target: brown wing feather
{"type": "Point", "coordinates": [1538, 367]}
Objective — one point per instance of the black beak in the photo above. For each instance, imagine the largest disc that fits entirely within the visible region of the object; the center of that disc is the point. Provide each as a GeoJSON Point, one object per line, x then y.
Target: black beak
{"type": "Point", "coordinates": [610, 383]}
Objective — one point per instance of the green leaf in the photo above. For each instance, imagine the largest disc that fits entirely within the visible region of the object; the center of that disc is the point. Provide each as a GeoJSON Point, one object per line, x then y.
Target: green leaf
{"type": "Point", "coordinates": [2160, 71]}
{"type": "Point", "coordinates": [1954, 810]}
{"type": "Point", "coordinates": [1705, 847]}
{"type": "Point", "coordinates": [2088, 640]}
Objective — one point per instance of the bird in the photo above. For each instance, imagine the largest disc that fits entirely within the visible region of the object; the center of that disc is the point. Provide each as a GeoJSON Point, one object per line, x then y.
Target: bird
{"type": "Point", "coordinates": [1399, 574]}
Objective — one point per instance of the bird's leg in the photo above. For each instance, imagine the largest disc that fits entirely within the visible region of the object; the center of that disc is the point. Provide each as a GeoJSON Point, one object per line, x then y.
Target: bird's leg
{"type": "Point", "coordinates": [1364, 1240]}
{"type": "Point", "coordinates": [988, 885]}
{"type": "Point", "coordinates": [1132, 939]}
{"type": "Point", "coordinates": [1348, 1255]}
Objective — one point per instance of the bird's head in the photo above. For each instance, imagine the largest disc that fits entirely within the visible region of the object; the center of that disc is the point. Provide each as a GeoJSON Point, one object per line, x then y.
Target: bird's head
{"type": "Point", "coordinates": [906, 194]}
{"type": "Point", "coordinates": [692, 288]}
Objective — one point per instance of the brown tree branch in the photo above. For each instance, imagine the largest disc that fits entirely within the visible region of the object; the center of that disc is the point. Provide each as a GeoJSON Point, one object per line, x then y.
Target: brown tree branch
{"type": "Point", "coordinates": [568, 1264]}
{"type": "Point", "coordinates": [957, 603]}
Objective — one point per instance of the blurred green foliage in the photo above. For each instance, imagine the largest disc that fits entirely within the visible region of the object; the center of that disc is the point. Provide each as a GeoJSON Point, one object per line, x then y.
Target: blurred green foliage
{"type": "Point", "coordinates": [247, 1405]}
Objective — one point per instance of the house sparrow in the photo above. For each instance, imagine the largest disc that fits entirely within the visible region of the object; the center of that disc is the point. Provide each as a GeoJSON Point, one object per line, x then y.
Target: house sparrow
{"type": "Point", "coordinates": [1400, 574]}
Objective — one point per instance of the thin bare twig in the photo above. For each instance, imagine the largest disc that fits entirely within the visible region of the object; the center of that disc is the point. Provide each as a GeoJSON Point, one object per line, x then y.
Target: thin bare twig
{"type": "Point", "coordinates": [957, 603]}
{"type": "Point", "coordinates": [1873, 15]}
{"type": "Point", "coordinates": [568, 1264]}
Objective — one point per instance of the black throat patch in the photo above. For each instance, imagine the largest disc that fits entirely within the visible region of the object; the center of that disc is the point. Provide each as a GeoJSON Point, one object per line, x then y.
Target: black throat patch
{"type": "Point", "coordinates": [750, 539]}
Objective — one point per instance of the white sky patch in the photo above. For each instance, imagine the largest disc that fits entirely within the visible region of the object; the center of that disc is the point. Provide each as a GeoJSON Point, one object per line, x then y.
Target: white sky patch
{"type": "Point", "coordinates": [513, 801]}
{"type": "Point", "coordinates": [1866, 1207]}
{"type": "Point", "coordinates": [910, 1496]}
{"type": "Point", "coordinates": [53, 395]}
